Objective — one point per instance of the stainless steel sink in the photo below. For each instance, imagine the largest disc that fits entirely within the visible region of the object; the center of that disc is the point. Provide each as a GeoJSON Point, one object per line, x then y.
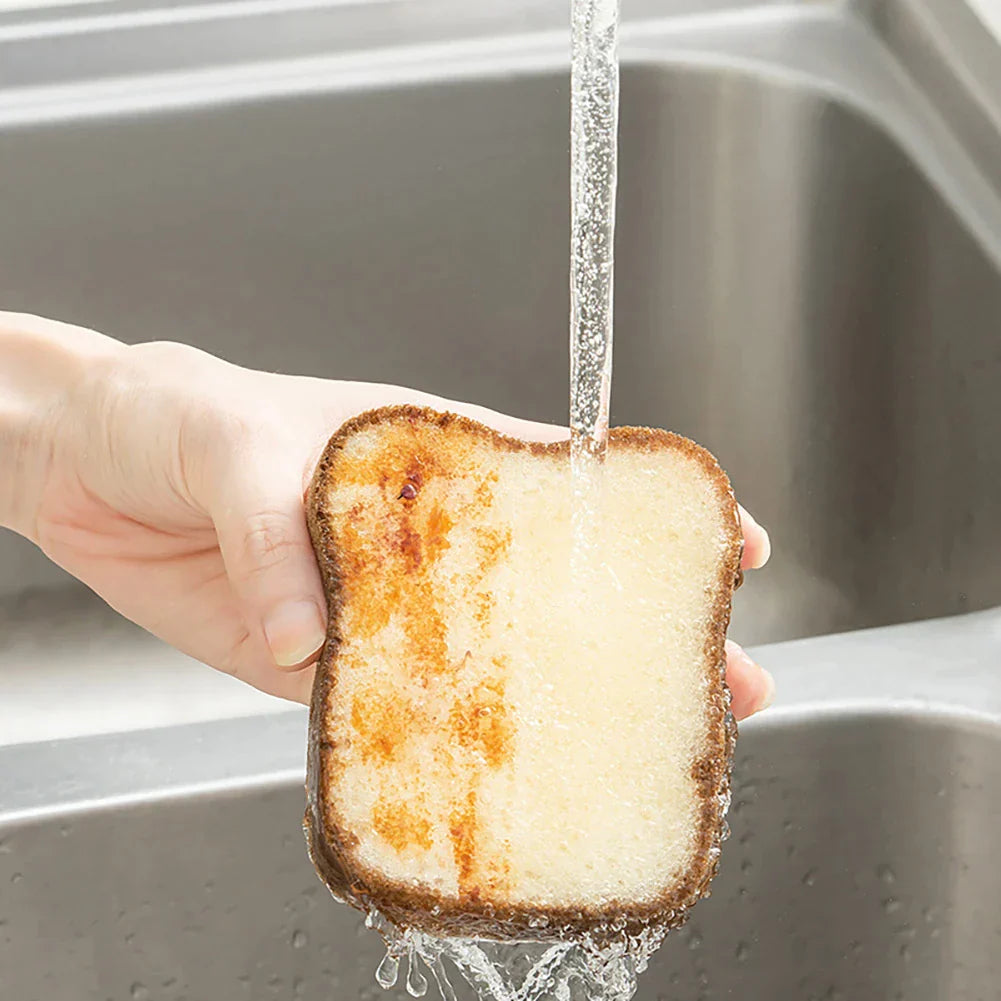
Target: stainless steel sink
{"type": "Point", "coordinates": [808, 281]}
{"type": "Point", "coordinates": [862, 866]}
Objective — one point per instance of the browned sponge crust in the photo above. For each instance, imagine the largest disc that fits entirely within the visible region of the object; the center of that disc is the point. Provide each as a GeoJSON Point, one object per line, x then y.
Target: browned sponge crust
{"type": "Point", "coordinates": [408, 458]}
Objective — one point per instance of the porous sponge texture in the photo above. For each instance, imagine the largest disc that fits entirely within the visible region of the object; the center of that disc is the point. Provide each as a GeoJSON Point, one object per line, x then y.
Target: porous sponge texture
{"type": "Point", "coordinates": [499, 726]}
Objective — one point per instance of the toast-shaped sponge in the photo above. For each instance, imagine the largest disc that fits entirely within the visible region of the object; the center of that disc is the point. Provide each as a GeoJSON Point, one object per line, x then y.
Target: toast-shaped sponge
{"type": "Point", "coordinates": [489, 757]}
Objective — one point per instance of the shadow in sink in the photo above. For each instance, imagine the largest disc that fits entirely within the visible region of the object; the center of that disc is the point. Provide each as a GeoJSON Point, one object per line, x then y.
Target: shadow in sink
{"type": "Point", "coordinates": [862, 866]}
{"type": "Point", "coordinates": [790, 291]}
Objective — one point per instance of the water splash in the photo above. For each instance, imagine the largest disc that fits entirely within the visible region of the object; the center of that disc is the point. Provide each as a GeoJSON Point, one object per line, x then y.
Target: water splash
{"type": "Point", "coordinates": [580, 970]}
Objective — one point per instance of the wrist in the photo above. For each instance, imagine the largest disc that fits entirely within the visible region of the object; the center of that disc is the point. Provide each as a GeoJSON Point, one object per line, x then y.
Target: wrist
{"type": "Point", "coordinates": [41, 363]}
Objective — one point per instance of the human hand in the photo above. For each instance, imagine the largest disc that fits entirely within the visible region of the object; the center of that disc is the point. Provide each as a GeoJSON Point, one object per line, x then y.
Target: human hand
{"type": "Point", "coordinates": [172, 484]}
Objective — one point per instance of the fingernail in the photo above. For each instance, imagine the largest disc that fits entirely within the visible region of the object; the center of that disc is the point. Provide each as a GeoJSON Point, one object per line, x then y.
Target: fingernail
{"type": "Point", "coordinates": [751, 526]}
{"type": "Point", "coordinates": [766, 542]}
{"type": "Point", "coordinates": [294, 631]}
{"type": "Point", "coordinates": [766, 549]}
{"type": "Point", "coordinates": [769, 697]}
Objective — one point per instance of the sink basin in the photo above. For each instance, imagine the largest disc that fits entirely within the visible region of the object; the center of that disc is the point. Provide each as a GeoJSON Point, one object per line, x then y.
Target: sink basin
{"type": "Point", "coordinates": [862, 864]}
{"type": "Point", "coordinates": [808, 282]}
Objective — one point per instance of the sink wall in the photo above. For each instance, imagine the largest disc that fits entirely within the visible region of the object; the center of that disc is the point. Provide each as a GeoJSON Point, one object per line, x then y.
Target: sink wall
{"type": "Point", "coordinates": [791, 291]}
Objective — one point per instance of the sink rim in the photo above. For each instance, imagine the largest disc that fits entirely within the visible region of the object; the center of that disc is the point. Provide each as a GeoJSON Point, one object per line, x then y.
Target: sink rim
{"type": "Point", "coordinates": [946, 666]}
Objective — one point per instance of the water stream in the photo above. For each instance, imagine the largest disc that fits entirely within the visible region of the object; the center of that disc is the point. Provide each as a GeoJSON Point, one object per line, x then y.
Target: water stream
{"type": "Point", "coordinates": [594, 115]}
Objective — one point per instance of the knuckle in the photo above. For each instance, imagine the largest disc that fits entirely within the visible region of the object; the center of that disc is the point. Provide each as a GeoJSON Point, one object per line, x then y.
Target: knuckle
{"type": "Point", "coordinates": [234, 659]}
{"type": "Point", "coordinates": [211, 441]}
{"type": "Point", "coordinates": [226, 427]}
{"type": "Point", "coordinates": [269, 540]}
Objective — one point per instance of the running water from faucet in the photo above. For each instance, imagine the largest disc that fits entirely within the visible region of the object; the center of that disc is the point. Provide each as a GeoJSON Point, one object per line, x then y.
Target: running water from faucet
{"type": "Point", "coordinates": [594, 115]}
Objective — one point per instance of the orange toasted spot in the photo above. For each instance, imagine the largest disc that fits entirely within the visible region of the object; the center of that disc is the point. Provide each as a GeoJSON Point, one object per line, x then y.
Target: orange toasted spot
{"type": "Point", "coordinates": [483, 494]}
{"type": "Point", "coordinates": [402, 824]}
{"type": "Point", "coordinates": [480, 873]}
{"type": "Point", "coordinates": [408, 544]}
{"type": "Point", "coordinates": [405, 455]}
{"type": "Point", "coordinates": [481, 723]}
{"type": "Point", "coordinates": [380, 726]}
{"type": "Point", "coordinates": [485, 602]}
{"type": "Point", "coordinates": [463, 828]}
{"type": "Point", "coordinates": [412, 492]}
{"type": "Point", "coordinates": [371, 597]}
{"type": "Point", "coordinates": [493, 544]}
{"type": "Point", "coordinates": [439, 524]}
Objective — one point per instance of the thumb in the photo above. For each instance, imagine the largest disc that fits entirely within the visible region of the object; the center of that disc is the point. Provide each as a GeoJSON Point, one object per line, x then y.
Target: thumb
{"type": "Point", "coordinates": [261, 526]}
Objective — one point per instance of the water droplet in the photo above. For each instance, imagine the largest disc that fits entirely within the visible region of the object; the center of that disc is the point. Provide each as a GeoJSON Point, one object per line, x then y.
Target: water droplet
{"type": "Point", "coordinates": [417, 983]}
{"type": "Point", "coordinates": [891, 905]}
{"type": "Point", "coordinates": [694, 940]}
{"type": "Point", "coordinates": [139, 992]}
{"type": "Point", "coordinates": [905, 951]}
{"type": "Point", "coordinates": [299, 939]}
{"type": "Point", "coordinates": [747, 865]}
{"type": "Point", "coordinates": [441, 978]}
{"type": "Point", "coordinates": [388, 971]}
{"type": "Point", "coordinates": [742, 952]}
{"type": "Point", "coordinates": [886, 874]}
{"type": "Point", "coordinates": [16, 878]}
{"type": "Point", "coordinates": [809, 877]}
